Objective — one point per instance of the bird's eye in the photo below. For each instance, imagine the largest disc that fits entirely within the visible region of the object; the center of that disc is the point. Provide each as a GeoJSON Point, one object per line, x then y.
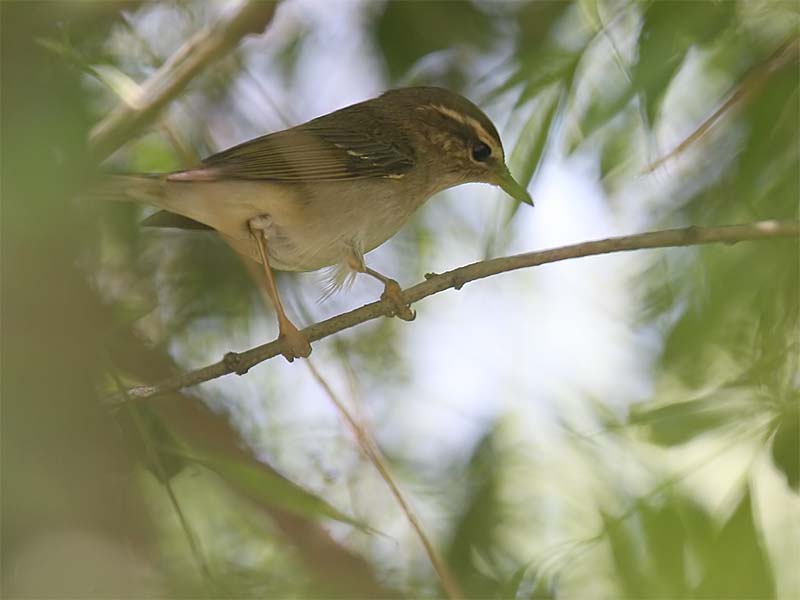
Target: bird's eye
{"type": "Point", "coordinates": [480, 152]}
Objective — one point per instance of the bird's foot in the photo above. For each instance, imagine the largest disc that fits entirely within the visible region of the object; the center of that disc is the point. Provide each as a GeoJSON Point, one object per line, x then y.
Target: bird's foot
{"type": "Point", "coordinates": [262, 224]}
{"type": "Point", "coordinates": [393, 294]}
{"type": "Point", "coordinates": [295, 344]}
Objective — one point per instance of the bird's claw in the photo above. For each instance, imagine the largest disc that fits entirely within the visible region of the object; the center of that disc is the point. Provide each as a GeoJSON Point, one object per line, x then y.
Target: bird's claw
{"type": "Point", "coordinates": [392, 294]}
{"type": "Point", "coordinates": [296, 344]}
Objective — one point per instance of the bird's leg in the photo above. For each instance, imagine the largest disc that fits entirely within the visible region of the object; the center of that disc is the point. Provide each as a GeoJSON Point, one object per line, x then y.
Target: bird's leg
{"type": "Point", "coordinates": [392, 292]}
{"type": "Point", "coordinates": [391, 289]}
{"type": "Point", "coordinates": [297, 345]}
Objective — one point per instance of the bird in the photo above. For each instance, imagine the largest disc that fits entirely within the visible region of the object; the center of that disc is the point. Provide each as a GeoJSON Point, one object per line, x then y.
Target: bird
{"type": "Point", "coordinates": [326, 192]}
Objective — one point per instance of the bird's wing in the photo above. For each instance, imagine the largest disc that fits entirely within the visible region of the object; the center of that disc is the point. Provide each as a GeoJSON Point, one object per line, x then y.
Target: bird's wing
{"type": "Point", "coordinates": [315, 151]}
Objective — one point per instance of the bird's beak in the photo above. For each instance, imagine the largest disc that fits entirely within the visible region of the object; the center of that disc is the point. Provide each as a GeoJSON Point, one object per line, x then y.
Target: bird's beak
{"type": "Point", "coordinates": [511, 187]}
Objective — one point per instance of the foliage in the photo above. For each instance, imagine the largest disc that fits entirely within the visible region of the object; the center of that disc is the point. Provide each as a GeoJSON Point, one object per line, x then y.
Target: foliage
{"type": "Point", "coordinates": [685, 112]}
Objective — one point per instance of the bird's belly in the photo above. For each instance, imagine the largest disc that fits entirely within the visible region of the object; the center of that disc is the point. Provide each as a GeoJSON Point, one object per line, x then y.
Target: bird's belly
{"type": "Point", "coordinates": [307, 246]}
{"type": "Point", "coordinates": [324, 239]}
{"type": "Point", "coordinates": [303, 233]}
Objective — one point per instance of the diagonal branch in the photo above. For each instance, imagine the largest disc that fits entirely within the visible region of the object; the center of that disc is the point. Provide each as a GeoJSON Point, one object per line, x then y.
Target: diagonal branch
{"type": "Point", "coordinates": [241, 362]}
{"type": "Point", "coordinates": [203, 48]}
{"type": "Point", "coordinates": [373, 453]}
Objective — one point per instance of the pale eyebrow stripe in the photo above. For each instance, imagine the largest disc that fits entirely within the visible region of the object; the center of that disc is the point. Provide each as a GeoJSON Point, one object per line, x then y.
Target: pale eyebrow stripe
{"type": "Point", "coordinates": [484, 135]}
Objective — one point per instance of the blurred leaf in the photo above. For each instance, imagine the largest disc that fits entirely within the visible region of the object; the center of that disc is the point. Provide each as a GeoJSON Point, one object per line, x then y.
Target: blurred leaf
{"type": "Point", "coordinates": [511, 588]}
{"type": "Point", "coordinates": [617, 150]}
{"type": "Point", "coordinates": [264, 486]}
{"type": "Point", "coordinates": [670, 28]}
{"type": "Point", "coordinates": [591, 11]}
{"type": "Point", "coordinates": [766, 182]}
{"type": "Point", "coordinates": [149, 435]}
{"type": "Point", "coordinates": [600, 111]}
{"type": "Point", "coordinates": [407, 31]}
{"type": "Point", "coordinates": [738, 566]}
{"type": "Point", "coordinates": [536, 21]}
{"type": "Point", "coordinates": [556, 66]}
{"type": "Point", "coordinates": [526, 583]}
{"type": "Point", "coordinates": [738, 311]}
{"type": "Point", "coordinates": [527, 154]}
{"type": "Point", "coordinates": [679, 422]}
{"type": "Point", "coordinates": [291, 51]}
{"type": "Point", "coordinates": [539, 61]}
{"type": "Point", "coordinates": [476, 524]}
{"type": "Point", "coordinates": [656, 546]}
{"type": "Point", "coordinates": [665, 536]}
{"type": "Point", "coordinates": [628, 555]}
{"type": "Point", "coordinates": [786, 445]}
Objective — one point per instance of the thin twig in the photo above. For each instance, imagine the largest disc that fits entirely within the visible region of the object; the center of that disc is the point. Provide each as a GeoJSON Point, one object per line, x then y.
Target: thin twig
{"type": "Point", "coordinates": [203, 48]}
{"type": "Point", "coordinates": [241, 362]}
{"type": "Point", "coordinates": [375, 456]}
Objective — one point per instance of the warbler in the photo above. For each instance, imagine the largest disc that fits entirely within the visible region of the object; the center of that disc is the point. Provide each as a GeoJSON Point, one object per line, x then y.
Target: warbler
{"type": "Point", "coordinates": [328, 191]}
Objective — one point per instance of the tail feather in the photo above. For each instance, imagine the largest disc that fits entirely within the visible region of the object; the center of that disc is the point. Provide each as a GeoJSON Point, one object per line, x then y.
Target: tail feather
{"type": "Point", "coordinates": [164, 218]}
{"type": "Point", "coordinates": [139, 188]}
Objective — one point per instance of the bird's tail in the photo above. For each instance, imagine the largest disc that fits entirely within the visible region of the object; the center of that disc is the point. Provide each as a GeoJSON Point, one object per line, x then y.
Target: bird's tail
{"type": "Point", "coordinates": [138, 188]}
{"type": "Point", "coordinates": [148, 189]}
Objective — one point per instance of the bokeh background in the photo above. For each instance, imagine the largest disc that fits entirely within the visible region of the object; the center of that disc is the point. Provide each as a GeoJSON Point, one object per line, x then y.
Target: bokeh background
{"type": "Point", "coordinates": [620, 426]}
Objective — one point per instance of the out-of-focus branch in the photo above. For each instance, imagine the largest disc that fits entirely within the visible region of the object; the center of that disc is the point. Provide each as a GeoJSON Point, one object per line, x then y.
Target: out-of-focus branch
{"type": "Point", "coordinates": [689, 236]}
{"type": "Point", "coordinates": [203, 48]}
{"type": "Point", "coordinates": [370, 449]}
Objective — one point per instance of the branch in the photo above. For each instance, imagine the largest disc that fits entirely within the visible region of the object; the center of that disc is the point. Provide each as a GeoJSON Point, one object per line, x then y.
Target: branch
{"type": "Point", "coordinates": [203, 48]}
{"type": "Point", "coordinates": [241, 362]}
{"type": "Point", "coordinates": [370, 449]}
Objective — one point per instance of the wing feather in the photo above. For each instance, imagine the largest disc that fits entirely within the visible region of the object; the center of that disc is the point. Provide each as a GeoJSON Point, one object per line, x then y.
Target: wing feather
{"type": "Point", "coordinates": [325, 149]}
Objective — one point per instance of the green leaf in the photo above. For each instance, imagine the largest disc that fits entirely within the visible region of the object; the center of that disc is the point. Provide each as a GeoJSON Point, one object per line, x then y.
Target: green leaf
{"type": "Point", "coordinates": [766, 171]}
{"type": "Point", "coordinates": [670, 28]}
{"type": "Point", "coordinates": [149, 435]}
{"type": "Point", "coordinates": [601, 111]}
{"type": "Point", "coordinates": [536, 21]}
{"type": "Point", "coordinates": [555, 66]}
{"type": "Point", "coordinates": [265, 486]}
{"type": "Point", "coordinates": [679, 422]}
{"type": "Point", "coordinates": [665, 538]}
{"type": "Point", "coordinates": [738, 312]}
{"type": "Point", "coordinates": [652, 546]}
{"type": "Point", "coordinates": [786, 445]}
{"type": "Point", "coordinates": [511, 588]}
{"type": "Point", "coordinates": [560, 67]}
{"type": "Point", "coordinates": [291, 51]}
{"type": "Point", "coordinates": [616, 153]}
{"type": "Point", "coordinates": [477, 521]}
{"type": "Point", "coordinates": [737, 565]}
{"type": "Point", "coordinates": [408, 31]}
{"type": "Point", "coordinates": [628, 555]}
{"type": "Point", "coordinates": [529, 149]}
{"type": "Point", "coordinates": [526, 583]}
